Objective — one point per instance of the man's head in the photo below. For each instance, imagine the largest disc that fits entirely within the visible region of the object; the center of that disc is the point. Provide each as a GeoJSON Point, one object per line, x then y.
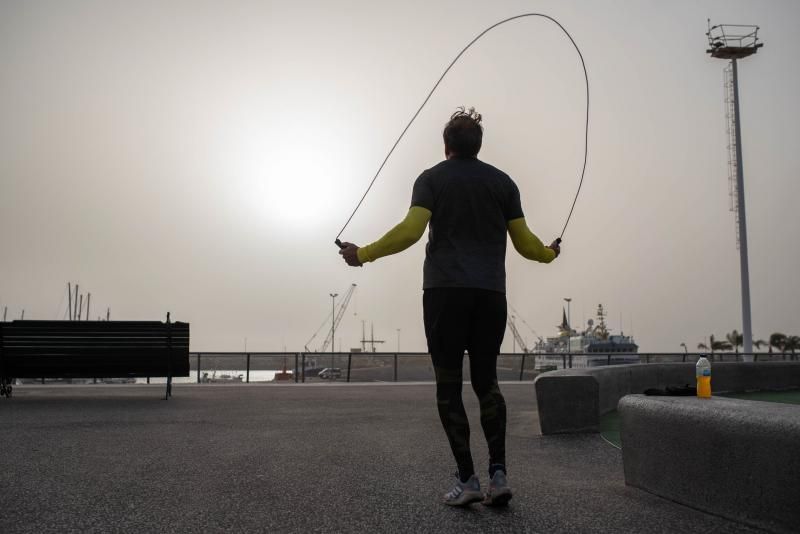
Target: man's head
{"type": "Point", "coordinates": [463, 134]}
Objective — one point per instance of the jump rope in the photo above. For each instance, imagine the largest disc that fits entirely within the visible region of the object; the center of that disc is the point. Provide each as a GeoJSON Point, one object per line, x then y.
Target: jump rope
{"type": "Point", "coordinates": [436, 85]}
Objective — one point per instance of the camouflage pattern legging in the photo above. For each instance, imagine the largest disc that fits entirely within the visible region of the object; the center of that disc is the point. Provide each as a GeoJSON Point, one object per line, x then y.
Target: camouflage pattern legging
{"type": "Point", "coordinates": [459, 319]}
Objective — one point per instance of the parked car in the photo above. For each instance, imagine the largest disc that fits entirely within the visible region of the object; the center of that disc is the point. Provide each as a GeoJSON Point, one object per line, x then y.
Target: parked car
{"type": "Point", "coordinates": [330, 372]}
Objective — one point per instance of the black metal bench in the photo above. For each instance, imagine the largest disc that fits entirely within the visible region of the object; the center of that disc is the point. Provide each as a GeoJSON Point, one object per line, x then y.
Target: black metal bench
{"type": "Point", "coordinates": [92, 349]}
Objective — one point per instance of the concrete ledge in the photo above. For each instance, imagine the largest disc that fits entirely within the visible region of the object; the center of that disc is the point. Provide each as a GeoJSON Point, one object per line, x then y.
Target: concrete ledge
{"type": "Point", "coordinates": [734, 458]}
{"type": "Point", "coordinates": [572, 400]}
{"type": "Point", "coordinates": [571, 403]}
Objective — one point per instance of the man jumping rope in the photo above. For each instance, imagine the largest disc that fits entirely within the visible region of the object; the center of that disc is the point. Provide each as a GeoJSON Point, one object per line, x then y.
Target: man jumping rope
{"type": "Point", "coordinates": [470, 206]}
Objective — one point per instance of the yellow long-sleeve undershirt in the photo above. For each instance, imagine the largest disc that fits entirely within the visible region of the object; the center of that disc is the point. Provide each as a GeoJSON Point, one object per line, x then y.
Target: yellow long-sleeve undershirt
{"type": "Point", "coordinates": [410, 230]}
{"type": "Point", "coordinates": [398, 238]}
{"type": "Point", "coordinates": [527, 244]}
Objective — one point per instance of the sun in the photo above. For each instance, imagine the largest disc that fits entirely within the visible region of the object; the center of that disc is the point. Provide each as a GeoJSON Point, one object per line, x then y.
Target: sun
{"type": "Point", "coordinates": [280, 179]}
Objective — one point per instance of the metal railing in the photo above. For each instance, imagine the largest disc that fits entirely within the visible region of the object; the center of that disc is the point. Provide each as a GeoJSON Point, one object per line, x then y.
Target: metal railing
{"type": "Point", "coordinates": [310, 367]}
{"type": "Point", "coordinates": [733, 35]}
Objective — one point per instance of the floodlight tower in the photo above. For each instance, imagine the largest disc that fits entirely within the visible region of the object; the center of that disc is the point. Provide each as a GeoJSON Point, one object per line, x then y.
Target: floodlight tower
{"type": "Point", "coordinates": [734, 42]}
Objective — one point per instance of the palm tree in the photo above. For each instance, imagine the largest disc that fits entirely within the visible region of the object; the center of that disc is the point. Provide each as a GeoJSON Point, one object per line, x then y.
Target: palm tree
{"type": "Point", "coordinates": [702, 346]}
{"type": "Point", "coordinates": [735, 339]}
{"type": "Point", "coordinates": [792, 343]}
{"type": "Point", "coordinates": [685, 350]}
{"type": "Point", "coordinates": [719, 345]}
{"type": "Point", "coordinates": [777, 340]}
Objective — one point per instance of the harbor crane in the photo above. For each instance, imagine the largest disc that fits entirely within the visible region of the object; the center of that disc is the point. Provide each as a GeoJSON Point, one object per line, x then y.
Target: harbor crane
{"type": "Point", "coordinates": [513, 327]}
{"type": "Point", "coordinates": [515, 332]}
{"type": "Point", "coordinates": [336, 320]}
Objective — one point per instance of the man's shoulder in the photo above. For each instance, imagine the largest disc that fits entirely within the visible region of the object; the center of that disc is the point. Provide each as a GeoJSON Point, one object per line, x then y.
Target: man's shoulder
{"type": "Point", "coordinates": [451, 165]}
{"type": "Point", "coordinates": [491, 169]}
{"type": "Point", "coordinates": [439, 167]}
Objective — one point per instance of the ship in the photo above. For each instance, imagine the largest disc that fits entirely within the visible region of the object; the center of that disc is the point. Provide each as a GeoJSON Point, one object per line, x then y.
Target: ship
{"type": "Point", "coordinates": [591, 347]}
{"type": "Point", "coordinates": [225, 377]}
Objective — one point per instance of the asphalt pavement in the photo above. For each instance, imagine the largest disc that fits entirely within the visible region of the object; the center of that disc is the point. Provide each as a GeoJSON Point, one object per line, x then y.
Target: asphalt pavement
{"type": "Point", "coordinates": [298, 458]}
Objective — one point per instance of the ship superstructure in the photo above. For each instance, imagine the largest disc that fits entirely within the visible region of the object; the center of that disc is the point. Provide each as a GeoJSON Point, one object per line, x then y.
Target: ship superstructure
{"type": "Point", "coordinates": [591, 347]}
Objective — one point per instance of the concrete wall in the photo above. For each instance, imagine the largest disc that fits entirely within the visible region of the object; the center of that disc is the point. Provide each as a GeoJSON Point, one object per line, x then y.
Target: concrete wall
{"type": "Point", "coordinates": [572, 400]}
{"type": "Point", "coordinates": [738, 459]}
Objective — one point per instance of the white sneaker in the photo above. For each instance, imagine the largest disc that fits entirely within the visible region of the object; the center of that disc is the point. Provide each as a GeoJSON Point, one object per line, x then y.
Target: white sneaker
{"type": "Point", "coordinates": [464, 493]}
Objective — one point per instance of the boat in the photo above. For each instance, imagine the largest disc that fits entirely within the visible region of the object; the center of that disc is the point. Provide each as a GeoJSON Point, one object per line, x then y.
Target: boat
{"type": "Point", "coordinates": [591, 347]}
{"type": "Point", "coordinates": [284, 375]}
{"type": "Point", "coordinates": [221, 378]}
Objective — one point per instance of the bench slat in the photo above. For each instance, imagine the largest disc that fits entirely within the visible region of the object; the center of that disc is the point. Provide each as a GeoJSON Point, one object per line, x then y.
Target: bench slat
{"type": "Point", "coordinates": [87, 343]}
{"type": "Point", "coordinates": [36, 332]}
{"type": "Point", "coordinates": [91, 366]}
{"type": "Point", "coordinates": [46, 323]}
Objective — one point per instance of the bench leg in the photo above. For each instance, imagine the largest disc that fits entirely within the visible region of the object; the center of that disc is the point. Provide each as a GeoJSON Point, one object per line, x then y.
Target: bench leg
{"type": "Point", "coordinates": [5, 389]}
{"type": "Point", "coordinates": [169, 388]}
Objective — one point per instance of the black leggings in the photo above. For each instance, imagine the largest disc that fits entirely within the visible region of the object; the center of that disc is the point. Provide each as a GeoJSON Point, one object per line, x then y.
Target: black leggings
{"type": "Point", "coordinates": [459, 319]}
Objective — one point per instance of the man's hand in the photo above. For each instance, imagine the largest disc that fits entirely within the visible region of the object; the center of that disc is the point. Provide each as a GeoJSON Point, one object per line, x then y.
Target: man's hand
{"type": "Point", "coordinates": [556, 246]}
{"type": "Point", "coordinates": [349, 252]}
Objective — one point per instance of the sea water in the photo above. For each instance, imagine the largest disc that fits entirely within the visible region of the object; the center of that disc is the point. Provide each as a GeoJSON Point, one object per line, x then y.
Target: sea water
{"type": "Point", "coordinates": [255, 376]}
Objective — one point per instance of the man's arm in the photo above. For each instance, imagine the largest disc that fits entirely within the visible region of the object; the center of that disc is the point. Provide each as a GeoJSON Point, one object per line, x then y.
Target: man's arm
{"type": "Point", "coordinates": [528, 245]}
{"type": "Point", "coordinates": [395, 240]}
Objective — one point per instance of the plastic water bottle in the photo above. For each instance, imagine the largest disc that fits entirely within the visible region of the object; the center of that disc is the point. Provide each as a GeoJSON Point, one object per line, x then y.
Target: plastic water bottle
{"type": "Point", "coordinates": [702, 371]}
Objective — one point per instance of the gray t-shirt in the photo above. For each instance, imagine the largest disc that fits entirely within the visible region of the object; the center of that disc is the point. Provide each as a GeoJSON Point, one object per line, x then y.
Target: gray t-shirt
{"type": "Point", "coordinates": [471, 203]}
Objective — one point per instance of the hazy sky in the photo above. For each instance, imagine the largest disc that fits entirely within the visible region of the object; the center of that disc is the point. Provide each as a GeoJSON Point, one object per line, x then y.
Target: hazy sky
{"type": "Point", "coordinates": [200, 157]}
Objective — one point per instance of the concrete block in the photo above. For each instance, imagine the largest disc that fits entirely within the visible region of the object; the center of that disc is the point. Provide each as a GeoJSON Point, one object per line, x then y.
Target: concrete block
{"type": "Point", "coordinates": [734, 458]}
{"type": "Point", "coordinates": [571, 402]}
{"type": "Point", "coordinates": [753, 376]}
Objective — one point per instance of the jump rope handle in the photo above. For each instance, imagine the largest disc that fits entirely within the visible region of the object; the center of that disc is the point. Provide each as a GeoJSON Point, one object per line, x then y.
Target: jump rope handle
{"type": "Point", "coordinates": [558, 241]}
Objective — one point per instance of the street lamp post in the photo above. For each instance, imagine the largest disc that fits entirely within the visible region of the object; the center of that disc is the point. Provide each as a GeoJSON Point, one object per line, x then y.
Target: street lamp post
{"type": "Point", "coordinates": [569, 324]}
{"type": "Point", "coordinates": [333, 333]}
{"type": "Point", "coordinates": [733, 42]}
{"type": "Point", "coordinates": [398, 340]}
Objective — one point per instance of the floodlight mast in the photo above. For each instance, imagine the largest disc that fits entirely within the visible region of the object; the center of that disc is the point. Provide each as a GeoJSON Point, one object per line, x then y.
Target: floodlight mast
{"type": "Point", "coordinates": [734, 42]}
